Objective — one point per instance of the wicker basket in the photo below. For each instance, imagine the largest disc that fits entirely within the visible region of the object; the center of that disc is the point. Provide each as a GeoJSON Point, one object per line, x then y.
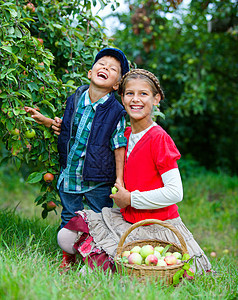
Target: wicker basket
{"type": "Point", "coordinates": [143, 272]}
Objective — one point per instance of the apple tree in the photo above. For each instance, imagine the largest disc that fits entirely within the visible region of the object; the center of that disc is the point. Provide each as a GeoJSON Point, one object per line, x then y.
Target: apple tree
{"type": "Point", "coordinates": [46, 49]}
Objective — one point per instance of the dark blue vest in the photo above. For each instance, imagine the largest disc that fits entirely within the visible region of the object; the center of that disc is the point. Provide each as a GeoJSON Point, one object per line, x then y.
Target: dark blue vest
{"type": "Point", "coordinates": [99, 164]}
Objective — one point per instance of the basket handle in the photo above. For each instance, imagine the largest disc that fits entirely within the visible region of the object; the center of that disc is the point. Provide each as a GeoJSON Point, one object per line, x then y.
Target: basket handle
{"type": "Point", "coordinates": [153, 221]}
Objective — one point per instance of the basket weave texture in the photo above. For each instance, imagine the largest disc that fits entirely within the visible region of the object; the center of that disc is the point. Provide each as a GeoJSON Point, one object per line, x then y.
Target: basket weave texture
{"type": "Point", "coordinates": [143, 272]}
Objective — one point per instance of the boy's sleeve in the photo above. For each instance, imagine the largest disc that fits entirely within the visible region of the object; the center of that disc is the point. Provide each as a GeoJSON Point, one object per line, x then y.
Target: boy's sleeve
{"type": "Point", "coordinates": [118, 139]}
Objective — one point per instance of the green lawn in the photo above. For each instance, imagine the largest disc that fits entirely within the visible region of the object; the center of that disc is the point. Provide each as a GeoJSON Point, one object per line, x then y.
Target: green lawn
{"type": "Point", "coordinates": [30, 256]}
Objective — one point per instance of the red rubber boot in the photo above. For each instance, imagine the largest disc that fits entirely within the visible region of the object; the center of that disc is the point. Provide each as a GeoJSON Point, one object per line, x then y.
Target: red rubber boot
{"type": "Point", "coordinates": [68, 259]}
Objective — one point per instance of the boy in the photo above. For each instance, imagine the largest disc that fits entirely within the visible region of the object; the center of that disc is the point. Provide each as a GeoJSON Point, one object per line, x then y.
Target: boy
{"type": "Point", "coordinates": [91, 139]}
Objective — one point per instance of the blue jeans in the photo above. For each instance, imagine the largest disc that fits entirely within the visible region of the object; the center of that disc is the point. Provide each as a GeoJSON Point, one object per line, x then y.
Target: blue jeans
{"type": "Point", "coordinates": [96, 199]}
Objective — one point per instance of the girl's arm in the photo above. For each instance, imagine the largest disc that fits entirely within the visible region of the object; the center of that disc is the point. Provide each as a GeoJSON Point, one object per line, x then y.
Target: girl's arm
{"type": "Point", "coordinates": [119, 158]}
{"type": "Point", "coordinates": [171, 193]}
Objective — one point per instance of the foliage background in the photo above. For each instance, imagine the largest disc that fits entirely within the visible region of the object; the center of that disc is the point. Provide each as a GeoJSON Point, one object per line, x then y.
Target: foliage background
{"type": "Point", "coordinates": [193, 51]}
{"type": "Point", "coordinates": [47, 49]}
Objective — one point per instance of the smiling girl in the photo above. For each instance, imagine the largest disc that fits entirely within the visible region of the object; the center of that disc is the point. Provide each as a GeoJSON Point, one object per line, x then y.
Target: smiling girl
{"type": "Point", "coordinates": [152, 180]}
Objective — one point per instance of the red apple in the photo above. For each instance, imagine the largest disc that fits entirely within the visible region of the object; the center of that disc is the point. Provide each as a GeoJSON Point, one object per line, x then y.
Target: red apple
{"type": "Point", "coordinates": [50, 205]}
{"type": "Point", "coordinates": [40, 40]}
{"type": "Point", "coordinates": [41, 89]}
{"type": "Point", "coordinates": [41, 66]}
{"type": "Point", "coordinates": [151, 260]}
{"type": "Point", "coordinates": [15, 131]}
{"type": "Point", "coordinates": [135, 259]}
{"type": "Point", "coordinates": [170, 260]}
{"type": "Point", "coordinates": [48, 177]}
{"type": "Point", "coordinates": [213, 254]}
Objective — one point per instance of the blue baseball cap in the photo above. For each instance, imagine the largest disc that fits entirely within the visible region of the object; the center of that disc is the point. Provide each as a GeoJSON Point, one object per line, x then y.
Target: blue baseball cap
{"type": "Point", "coordinates": [117, 54]}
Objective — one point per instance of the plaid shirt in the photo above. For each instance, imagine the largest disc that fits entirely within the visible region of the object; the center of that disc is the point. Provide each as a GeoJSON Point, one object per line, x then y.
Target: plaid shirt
{"type": "Point", "coordinates": [72, 174]}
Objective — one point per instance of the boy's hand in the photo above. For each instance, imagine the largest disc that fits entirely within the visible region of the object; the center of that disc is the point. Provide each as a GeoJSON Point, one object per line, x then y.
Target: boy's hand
{"type": "Point", "coordinates": [122, 198]}
{"type": "Point", "coordinates": [56, 125]}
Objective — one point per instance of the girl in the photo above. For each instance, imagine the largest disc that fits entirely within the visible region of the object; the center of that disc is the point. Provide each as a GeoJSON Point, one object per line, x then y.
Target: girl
{"type": "Point", "coordinates": [152, 185]}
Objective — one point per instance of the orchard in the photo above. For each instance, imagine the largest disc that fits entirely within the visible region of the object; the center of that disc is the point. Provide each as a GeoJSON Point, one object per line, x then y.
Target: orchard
{"type": "Point", "coordinates": [46, 50]}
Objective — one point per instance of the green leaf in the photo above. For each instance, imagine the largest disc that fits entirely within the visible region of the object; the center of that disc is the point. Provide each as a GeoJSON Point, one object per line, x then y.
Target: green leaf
{"type": "Point", "coordinates": [186, 256]}
{"type": "Point", "coordinates": [165, 249]}
{"type": "Point", "coordinates": [186, 266]}
{"type": "Point", "coordinates": [35, 177]}
{"type": "Point", "coordinates": [25, 93]}
{"type": "Point", "coordinates": [177, 276]}
{"type": "Point", "coordinates": [44, 214]}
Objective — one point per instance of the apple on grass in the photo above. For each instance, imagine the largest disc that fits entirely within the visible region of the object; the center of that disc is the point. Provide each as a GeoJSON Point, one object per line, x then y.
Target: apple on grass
{"type": "Point", "coordinates": [146, 250]}
{"type": "Point", "coordinates": [151, 260]}
{"type": "Point", "coordinates": [135, 259]}
{"type": "Point", "coordinates": [135, 249]}
{"type": "Point", "coordinates": [170, 260]}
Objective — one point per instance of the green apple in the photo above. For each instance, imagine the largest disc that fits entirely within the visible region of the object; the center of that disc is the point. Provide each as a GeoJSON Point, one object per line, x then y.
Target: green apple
{"type": "Point", "coordinates": [30, 133]}
{"type": "Point", "coordinates": [157, 254]}
{"type": "Point", "coordinates": [177, 255]}
{"type": "Point", "coordinates": [161, 263]}
{"type": "Point", "coordinates": [159, 249]}
{"type": "Point", "coordinates": [15, 131]}
{"type": "Point", "coordinates": [146, 250]}
{"type": "Point", "coordinates": [136, 249]}
{"type": "Point", "coordinates": [114, 190]}
{"type": "Point", "coordinates": [125, 253]}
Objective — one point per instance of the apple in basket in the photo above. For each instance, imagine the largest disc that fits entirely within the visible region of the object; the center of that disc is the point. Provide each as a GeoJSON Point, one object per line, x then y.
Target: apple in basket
{"type": "Point", "coordinates": [157, 254]}
{"type": "Point", "coordinates": [159, 249]}
{"type": "Point", "coordinates": [151, 260]}
{"type": "Point", "coordinates": [161, 263]}
{"type": "Point", "coordinates": [146, 250]}
{"type": "Point", "coordinates": [177, 255]}
{"type": "Point", "coordinates": [136, 249]}
{"type": "Point", "coordinates": [170, 260]}
{"type": "Point", "coordinates": [125, 253]}
{"type": "Point", "coordinates": [135, 259]}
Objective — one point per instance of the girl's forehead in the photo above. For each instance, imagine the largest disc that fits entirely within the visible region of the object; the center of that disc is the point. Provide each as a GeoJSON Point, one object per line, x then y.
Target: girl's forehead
{"type": "Point", "coordinates": [137, 83]}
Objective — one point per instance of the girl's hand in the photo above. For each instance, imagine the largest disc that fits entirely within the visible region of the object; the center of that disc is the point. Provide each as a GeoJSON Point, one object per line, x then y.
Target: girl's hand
{"type": "Point", "coordinates": [122, 198]}
{"type": "Point", "coordinates": [120, 182]}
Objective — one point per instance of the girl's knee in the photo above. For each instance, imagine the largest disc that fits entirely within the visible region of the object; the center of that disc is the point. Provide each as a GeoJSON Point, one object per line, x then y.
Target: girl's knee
{"type": "Point", "coordinates": [66, 239]}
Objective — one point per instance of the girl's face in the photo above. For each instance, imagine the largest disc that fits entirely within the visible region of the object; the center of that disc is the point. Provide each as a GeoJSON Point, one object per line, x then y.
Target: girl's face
{"type": "Point", "coordinates": [138, 100]}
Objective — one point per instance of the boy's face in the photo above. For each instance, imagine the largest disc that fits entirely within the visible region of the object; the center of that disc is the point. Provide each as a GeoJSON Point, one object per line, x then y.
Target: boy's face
{"type": "Point", "coordinates": [106, 73]}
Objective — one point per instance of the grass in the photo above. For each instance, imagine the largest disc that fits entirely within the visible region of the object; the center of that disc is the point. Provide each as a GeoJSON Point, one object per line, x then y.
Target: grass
{"type": "Point", "coordinates": [30, 256]}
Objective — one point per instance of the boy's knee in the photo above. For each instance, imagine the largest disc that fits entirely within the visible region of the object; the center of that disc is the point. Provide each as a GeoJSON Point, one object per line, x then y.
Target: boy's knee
{"type": "Point", "coordinates": [66, 239]}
